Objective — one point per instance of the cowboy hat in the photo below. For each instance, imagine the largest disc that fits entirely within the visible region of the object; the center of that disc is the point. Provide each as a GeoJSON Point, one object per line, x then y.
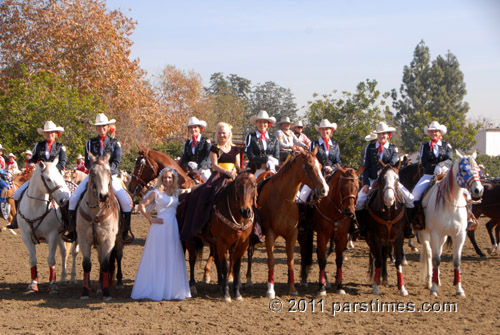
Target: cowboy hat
{"type": "Point", "coordinates": [371, 137]}
{"type": "Point", "coordinates": [284, 119]}
{"type": "Point", "coordinates": [2, 148]}
{"type": "Point", "coordinates": [262, 115]}
{"type": "Point", "coordinates": [435, 126]}
{"type": "Point", "coordinates": [193, 121]}
{"type": "Point", "coordinates": [298, 124]}
{"type": "Point", "coordinates": [102, 120]}
{"type": "Point", "coordinates": [49, 126]}
{"type": "Point", "coordinates": [382, 127]}
{"type": "Point", "coordinates": [79, 157]}
{"type": "Point", "coordinates": [27, 152]}
{"type": "Point", "coordinates": [11, 155]}
{"type": "Point", "coordinates": [326, 124]}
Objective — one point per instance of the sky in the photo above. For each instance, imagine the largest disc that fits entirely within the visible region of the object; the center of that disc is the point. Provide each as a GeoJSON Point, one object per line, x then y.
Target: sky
{"type": "Point", "coordinates": [320, 46]}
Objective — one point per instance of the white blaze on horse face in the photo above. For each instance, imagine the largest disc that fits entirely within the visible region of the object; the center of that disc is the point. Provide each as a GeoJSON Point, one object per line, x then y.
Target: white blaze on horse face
{"type": "Point", "coordinates": [390, 187]}
{"type": "Point", "coordinates": [55, 181]}
{"type": "Point", "coordinates": [317, 168]}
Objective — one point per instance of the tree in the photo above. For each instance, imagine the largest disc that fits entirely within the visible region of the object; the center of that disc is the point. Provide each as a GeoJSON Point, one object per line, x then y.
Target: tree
{"type": "Point", "coordinates": [432, 91]}
{"type": "Point", "coordinates": [84, 43]}
{"type": "Point", "coordinates": [356, 114]}
{"type": "Point", "coordinates": [276, 100]}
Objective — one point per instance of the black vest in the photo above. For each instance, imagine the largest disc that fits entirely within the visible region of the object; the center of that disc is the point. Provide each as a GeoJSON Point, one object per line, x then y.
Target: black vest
{"type": "Point", "coordinates": [330, 158]}
{"type": "Point", "coordinates": [111, 145]}
{"type": "Point", "coordinates": [255, 152]}
{"type": "Point", "coordinates": [429, 159]}
{"type": "Point", "coordinates": [58, 150]}
{"type": "Point", "coordinates": [389, 156]}
{"type": "Point", "coordinates": [200, 156]}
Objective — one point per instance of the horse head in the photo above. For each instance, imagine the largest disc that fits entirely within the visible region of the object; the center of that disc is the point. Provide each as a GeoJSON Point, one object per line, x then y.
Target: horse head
{"type": "Point", "coordinates": [311, 172]}
{"type": "Point", "coordinates": [387, 184]}
{"type": "Point", "coordinates": [50, 181]}
{"type": "Point", "coordinates": [245, 193]}
{"type": "Point", "coordinates": [467, 176]}
{"type": "Point", "coordinates": [100, 177]}
{"type": "Point", "coordinates": [144, 172]}
{"type": "Point", "coordinates": [348, 188]}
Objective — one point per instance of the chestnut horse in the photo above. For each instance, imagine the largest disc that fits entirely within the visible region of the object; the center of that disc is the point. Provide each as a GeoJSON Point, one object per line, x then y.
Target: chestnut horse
{"type": "Point", "coordinates": [332, 217]}
{"type": "Point", "coordinates": [279, 212]}
{"type": "Point", "coordinates": [229, 228]}
{"type": "Point", "coordinates": [386, 219]}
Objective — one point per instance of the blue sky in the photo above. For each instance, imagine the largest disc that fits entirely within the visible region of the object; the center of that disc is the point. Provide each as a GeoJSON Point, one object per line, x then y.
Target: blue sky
{"type": "Point", "coordinates": [318, 46]}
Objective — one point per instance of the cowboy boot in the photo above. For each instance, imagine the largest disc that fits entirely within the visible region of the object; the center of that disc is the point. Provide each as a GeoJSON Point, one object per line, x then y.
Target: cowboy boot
{"type": "Point", "coordinates": [418, 217]}
{"type": "Point", "coordinates": [408, 230]}
{"type": "Point", "coordinates": [126, 238]}
{"type": "Point", "coordinates": [13, 223]}
{"type": "Point", "coordinates": [69, 230]}
{"type": "Point", "coordinates": [472, 222]}
{"type": "Point", "coordinates": [360, 232]}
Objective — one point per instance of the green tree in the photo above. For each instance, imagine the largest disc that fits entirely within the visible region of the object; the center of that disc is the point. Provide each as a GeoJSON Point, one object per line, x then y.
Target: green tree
{"type": "Point", "coordinates": [356, 114]}
{"type": "Point", "coordinates": [276, 100]}
{"type": "Point", "coordinates": [432, 91]}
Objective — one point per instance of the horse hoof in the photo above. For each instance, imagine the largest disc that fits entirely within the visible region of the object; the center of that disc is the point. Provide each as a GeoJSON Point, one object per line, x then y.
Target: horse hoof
{"type": "Point", "coordinates": [98, 291]}
{"type": "Point", "coordinates": [193, 289]}
{"type": "Point", "coordinates": [321, 293]}
{"type": "Point", "coordinates": [304, 283]}
{"type": "Point", "coordinates": [414, 249]}
{"type": "Point", "coordinates": [12, 232]}
{"type": "Point", "coordinates": [270, 295]}
{"type": "Point", "coordinates": [206, 279]}
{"type": "Point", "coordinates": [342, 292]}
{"type": "Point", "coordinates": [293, 293]}
{"type": "Point", "coordinates": [385, 282]}
{"type": "Point", "coordinates": [351, 244]}
{"type": "Point", "coordinates": [107, 298]}
{"type": "Point", "coordinates": [328, 284]}
{"type": "Point", "coordinates": [249, 283]}
{"type": "Point", "coordinates": [403, 292]}
{"type": "Point", "coordinates": [226, 299]}
{"type": "Point", "coordinates": [84, 297]}
{"type": "Point", "coordinates": [375, 290]}
{"type": "Point", "coordinates": [434, 293]}
{"type": "Point", "coordinates": [483, 257]}
{"type": "Point", "coordinates": [405, 262]}
{"type": "Point", "coordinates": [239, 298]}
{"type": "Point", "coordinates": [120, 287]}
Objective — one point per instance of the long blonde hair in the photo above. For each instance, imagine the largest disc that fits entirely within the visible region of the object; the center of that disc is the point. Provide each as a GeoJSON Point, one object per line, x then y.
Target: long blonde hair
{"type": "Point", "coordinates": [220, 125]}
{"type": "Point", "coordinates": [175, 185]}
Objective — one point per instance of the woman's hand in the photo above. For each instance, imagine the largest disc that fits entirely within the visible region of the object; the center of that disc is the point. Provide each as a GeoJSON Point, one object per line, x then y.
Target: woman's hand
{"type": "Point", "coordinates": [156, 221]}
{"type": "Point", "coordinates": [365, 189]}
{"type": "Point", "coordinates": [231, 174]}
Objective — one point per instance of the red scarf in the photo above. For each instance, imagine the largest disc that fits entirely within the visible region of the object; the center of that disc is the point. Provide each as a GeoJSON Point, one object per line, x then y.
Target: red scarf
{"type": "Point", "coordinates": [102, 138]}
{"type": "Point", "coordinates": [49, 145]}
{"type": "Point", "coordinates": [195, 140]}
{"type": "Point", "coordinates": [327, 143]}
{"type": "Point", "coordinates": [433, 142]}
{"type": "Point", "coordinates": [262, 137]}
{"type": "Point", "coordinates": [380, 147]}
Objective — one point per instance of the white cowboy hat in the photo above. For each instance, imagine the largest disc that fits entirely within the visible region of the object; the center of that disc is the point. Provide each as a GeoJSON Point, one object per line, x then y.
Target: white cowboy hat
{"type": "Point", "coordinates": [326, 124]}
{"type": "Point", "coordinates": [49, 126]}
{"type": "Point", "coordinates": [371, 137]}
{"type": "Point", "coordinates": [11, 155]}
{"type": "Point", "coordinates": [27, 152]}
{"type": "Point", "coordinates": [102, 120]}
{"type": "Point", "coordinates": [2, 148]}
{"type": "Point", "coordinates": [262, 115]}
{"type": "Point", "coordinates": [285, 119]}
{"type": "Point", "coordinates": [79, 157]}
{"type": "Point", "coordinates": [436, 126]}
{"type": "Point", "coordinates": [298, 124]}
{"type": "Point", "coordinates": [382, 127]}
{"type": "Point", "coordinates": [193, 121]}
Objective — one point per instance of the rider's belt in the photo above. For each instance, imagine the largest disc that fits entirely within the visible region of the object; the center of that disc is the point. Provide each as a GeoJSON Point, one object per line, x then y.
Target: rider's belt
{"type": "Point", "coordinates": [227, 166]}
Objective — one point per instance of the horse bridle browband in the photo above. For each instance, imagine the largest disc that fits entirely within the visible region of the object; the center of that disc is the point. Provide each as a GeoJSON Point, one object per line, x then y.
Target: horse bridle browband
{"type": "Point", "coordinates": [142, 163]}
{"type": "Point", "coordinates": [342, 199]}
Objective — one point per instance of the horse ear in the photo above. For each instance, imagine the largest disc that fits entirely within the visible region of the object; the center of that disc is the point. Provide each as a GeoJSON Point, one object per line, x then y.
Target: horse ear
{"type": "Point", "coordinates": [399, 164]}
{"type": "Point", "coordinates": [42, 165]}
{"type": "Point", "coordinates": [341, 169]}
{"type": "Point", "coordinates": [360, 170]}
{"type": "Point", "coordinates": [107, 156]}
{"type": "Point", "coordinates": [474, 154]}
{"type": "Point", "coordinates": [381, 163]}
{"type": "Point", "coordinates": [315, 150]}
{"type": "Point", "coordinates": [459, 154]}
{"type": "Point", "coordinates": [92, 158]}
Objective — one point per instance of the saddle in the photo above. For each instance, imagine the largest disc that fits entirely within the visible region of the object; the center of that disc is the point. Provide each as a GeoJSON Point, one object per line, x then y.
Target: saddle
{"type": "Point", "coordinates": [418, 221]}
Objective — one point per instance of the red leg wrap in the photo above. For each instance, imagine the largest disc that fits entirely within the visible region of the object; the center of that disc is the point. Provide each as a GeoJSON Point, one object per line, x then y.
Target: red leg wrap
{"type": "Point", "coordinates": [105, 278]}
{"type": "Point", "coordinates": [322, 277]}
{"type": "Point", "coordinates": [86, 280]}
{"type": "Point", "coordinates": [290, 277]}
{"type": "Point", "coordinates": [270, 278]}
{"type": "Point", "coordinates": [376, 278]}
{"type": "Point", "coordinates": [457, 277]}
{"type": "Point", "coordinates": [401, 282]}
{"type": "Point", "coordinates": [52, 274]}
{"type": "Point", "coordinates": [34, 273]}
{"type": "Point", "coordinates": [339, 276]}
{"type": "Point", "coordinates": [435, 278]}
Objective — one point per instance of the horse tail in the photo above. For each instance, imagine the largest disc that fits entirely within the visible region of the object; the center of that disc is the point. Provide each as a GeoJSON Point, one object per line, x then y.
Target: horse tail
{"type": "Point", "coordinates": [371, 267]}
{"type": "Point", "coordinates": [449, 243]}
{"type": "Point", "coordinates": [198, 243]}
{"type": "Point", "coordinates": [305, 240]}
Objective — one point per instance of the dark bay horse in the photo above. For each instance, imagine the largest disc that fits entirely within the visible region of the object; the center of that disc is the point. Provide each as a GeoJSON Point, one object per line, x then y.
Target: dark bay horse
{"type": "Point", "coordinates": [332, 217]}
{"type": "Point", "coordinates": [229, 228]}
{"type": "Point", "coordinates": [385, 223]}
{"type": "Point", "coordinates": [279, 212]}
{"type": "Point", "coordinates": [490, 207]}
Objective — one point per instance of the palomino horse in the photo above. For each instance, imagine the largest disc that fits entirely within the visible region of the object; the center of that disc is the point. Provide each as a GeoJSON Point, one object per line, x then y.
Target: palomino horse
{"type": "Point", "coordinates": [446, 215]}
{"type": "Point", "coordinates": [386, 219]}
{"type": "Point", "coordinates": [490, 207]}
{"type": "Point", "coordinates": [147, 166]}
{"type": "Point", "coordinates": [97, 223]}
{"type": "Point", "coordinates": [229, 228]}
{"type": "Point", "coordinates": [332, 218]}
{"type": "Point", "coordinates": [39, 218]}
{"type": "Point", "coordinates": [279, 212]}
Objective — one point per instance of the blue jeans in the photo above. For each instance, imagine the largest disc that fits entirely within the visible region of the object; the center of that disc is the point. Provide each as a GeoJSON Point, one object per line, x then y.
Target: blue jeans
{"type": "Point", "coordinates": [3, 185]}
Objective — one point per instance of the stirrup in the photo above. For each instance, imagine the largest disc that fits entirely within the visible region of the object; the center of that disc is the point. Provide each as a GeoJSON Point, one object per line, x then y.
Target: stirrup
{"type": "Point", "coordinates": [69, 236]}
{"type": "Point", "coordinates": [126, 238]}
{"type": "Point", "coordinates": [472, 225]}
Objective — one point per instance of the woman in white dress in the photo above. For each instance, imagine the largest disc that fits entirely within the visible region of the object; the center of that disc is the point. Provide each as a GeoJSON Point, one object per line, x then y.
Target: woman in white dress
{"type": "Point", "coordinates": [162, 273]}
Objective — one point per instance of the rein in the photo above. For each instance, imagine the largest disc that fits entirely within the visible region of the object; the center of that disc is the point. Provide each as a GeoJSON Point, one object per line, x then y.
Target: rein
{"type": "Point", "coordinates": [339, 210]}
{"type": "Point", "coordinates": [143, 162]}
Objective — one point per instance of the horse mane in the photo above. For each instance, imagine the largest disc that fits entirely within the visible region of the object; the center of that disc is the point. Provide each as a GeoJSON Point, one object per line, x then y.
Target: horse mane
{"type": "Point", "coordinates": [153, 157]}
{"type": "Point", "coordinates": [288, 166]}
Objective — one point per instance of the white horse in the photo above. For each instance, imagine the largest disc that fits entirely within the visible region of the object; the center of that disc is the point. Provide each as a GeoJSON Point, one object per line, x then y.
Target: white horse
{"type": "Point", "coordinates": [446, 215]}
{"type": "Point", "coordinates": [39, 218]}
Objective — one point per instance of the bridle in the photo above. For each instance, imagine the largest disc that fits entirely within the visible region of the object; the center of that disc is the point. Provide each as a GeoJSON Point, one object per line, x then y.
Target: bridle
{"type": "Point", "coordinates": [142, 164]}
{"type": "Point", "coordinates": [49, 190]}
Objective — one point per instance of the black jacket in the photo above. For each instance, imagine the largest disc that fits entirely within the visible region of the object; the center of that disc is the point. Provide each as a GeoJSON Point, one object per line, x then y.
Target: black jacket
{"type": "Point", "coordinates": [111, 145]}
{"type": "Point", "coordinates": [389, 156]}
{"type": "Point", "coordinates": [58, 150]}
{"type": "Point", "coordinates": [200, 156]}
{"type": "Point", "coordinates": [330, 158]}
{"type": "Point", "coordinates": [255, 152]}
{"type": "Point", "coordinates": [429, 159]}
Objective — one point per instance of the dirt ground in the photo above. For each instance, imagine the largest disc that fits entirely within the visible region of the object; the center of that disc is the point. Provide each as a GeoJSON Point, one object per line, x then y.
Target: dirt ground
{"type": "Point", "coordinates": [41, 313]}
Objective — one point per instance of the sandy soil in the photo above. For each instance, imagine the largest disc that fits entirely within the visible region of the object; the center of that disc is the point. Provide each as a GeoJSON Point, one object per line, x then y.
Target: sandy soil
{"type": "Point", "coordinates": [42, 313]}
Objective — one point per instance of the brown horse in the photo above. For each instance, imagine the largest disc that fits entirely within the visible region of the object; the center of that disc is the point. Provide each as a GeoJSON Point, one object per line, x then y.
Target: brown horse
{"type": "Point", "coordinates": [386, 219]}
{"type": "Point", "coordinates": [9, 194]}
{"type": "Point", "coordinates": [332, 217]}
{"type": "Point", "coordinates": [148, 165]}
{"type": "Point", "coordinates": [229, 228]}
{"type": "Point", "coordinates": [490, 207]}
{"type": "Point", "coordinates": [279, 212]}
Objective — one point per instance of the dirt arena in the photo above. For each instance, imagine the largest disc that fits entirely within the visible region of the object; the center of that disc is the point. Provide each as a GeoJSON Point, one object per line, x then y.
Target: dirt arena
{"type": "Point", "coordinates": [42, 313]}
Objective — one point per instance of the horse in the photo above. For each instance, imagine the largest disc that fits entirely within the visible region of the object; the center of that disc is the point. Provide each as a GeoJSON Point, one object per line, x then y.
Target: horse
{"type": "Point", "coordinates": [39, 218]}
{"type": "Point", "coordinates": [97, 223]}
{"type": "Point", "coordinates": [148, 165]}
{"type": "Point", "coordinates": [230, 227]}
{"type": "Point", "coordinates": [490, 207]}
{"type": "Point", "coordinates": [386, 219]}
{"type": "Point", "coordinates": [279, 212]}
{"type": "Point", "coordinates": [17, 180]}
{"type": "Point", "coordinates": [331, 217]}
{"type": "Point", "coordinates": [446, 215]}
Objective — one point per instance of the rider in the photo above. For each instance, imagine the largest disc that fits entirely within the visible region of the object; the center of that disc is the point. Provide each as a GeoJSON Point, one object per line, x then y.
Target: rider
{"type": "Point", "coordinates": [287, 139]}
{"type": "Point", "coordinates": [27, 155]}
{"type": "Point", "coordinates": [45, 151]}
{"type": "Point", "coordinates": [80, 164]}
{"type": "Point", "coordinates": [197, 149]}
{"type": "Point", "coordinates": [431, 154]}
{"type": "Point", "coordinates": [11, 163]}
{"type": "Point", "coordinates": [261, 148]}
{"type": "Point", "coordinates": [2, 160]}
{"type": "Point", "coordinates": [388, 153]}
{"type": "Point", "coordinates": [297, 130]}
{"type": "Point", "coordinates": [98, 146]}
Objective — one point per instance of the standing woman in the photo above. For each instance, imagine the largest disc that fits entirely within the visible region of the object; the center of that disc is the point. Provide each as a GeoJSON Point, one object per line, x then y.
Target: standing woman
{"type": "Point", "coordinates": [45, 151]}
{"type": "Point", "coordinates": [197, 149]}
{"type": "Point", "coordinates": [162, 273]}
{"type": "Point", "coordinates": [225, 160]}
{"type": "Point", "coordinates": [98, 146]}
{"type": "Point", "coordinates": [287, 139]}
{"type": "Point", "coordinates": [261, 148]}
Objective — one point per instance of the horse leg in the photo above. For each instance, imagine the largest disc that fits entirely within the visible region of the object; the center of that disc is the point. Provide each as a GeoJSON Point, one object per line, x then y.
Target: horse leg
{"type": "Point", "coordinates": [497, 233]}
{"type": "Point", "coordinates": [52, 241]}
{"type": "Point", "coordinates": [74, 253]}
{"type": "Point", "coordinates": [250, 251]}
{"type": "Point", "coordinates": [340, 244]}
{"type": "Point", "coordinates": [305, 239]}
{"type": "Point", "coordinates": [386, 251]}
{"type": "Point", "coordinates": [378, 261]}
{"type": "Point", "coordinates": [322, 240]}
{"type": "Point", "coordinates": [224, 270]}
{"type": "Point", "coordinates": [230, 276]}
{"type": "Point", "coordinates": [412, 245]}
{"type": "Point", "coordinates": [33, 286]}
{"type": "Point", "coordinates": [398, 250]}
{"type": "Point", "coordinates": [208, 267]}
{"type": "Point", "coordinates": [237, 256]}
{"type": "Point", "coordinates": [489, 226]}
{"type": "Point", "coordinates": [104, 253]}
{"type": "Point", "coordinates": [192, 250]}
{"type": "Point", "coordinates": [63, 250]}
{"type": "Point", "coordinates": [457, 257]}
{"type": "Point", "coordinates": [290, 246]}
{"type": "Point", "coordinates": [87, 267]}
{"type": "Point", "coordinates": [119, 256]}
{"type": "Point", "coordinates": [436, 243]}
{"type": "Point", "coordinates": [472, 238]}
{"type": "Point", "coordinates": [270, 239]}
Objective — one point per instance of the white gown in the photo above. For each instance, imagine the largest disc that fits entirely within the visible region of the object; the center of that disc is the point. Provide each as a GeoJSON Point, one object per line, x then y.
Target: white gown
{"type": "Point", "coordinates": [162, 273]}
